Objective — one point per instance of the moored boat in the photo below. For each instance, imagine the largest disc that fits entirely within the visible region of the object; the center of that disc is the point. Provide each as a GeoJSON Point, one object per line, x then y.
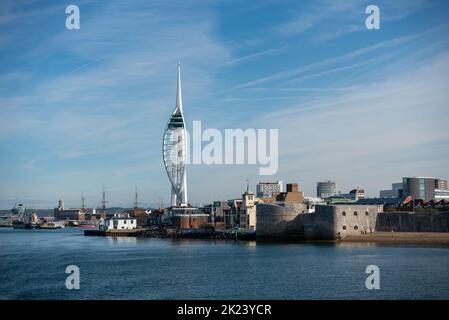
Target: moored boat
{"type": "Point", "coordinates": [86, 225]}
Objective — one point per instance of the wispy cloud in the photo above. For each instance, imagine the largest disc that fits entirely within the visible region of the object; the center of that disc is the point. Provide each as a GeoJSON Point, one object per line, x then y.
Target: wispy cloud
{"type": "Point", "coordinates": [79, 109]}
{"type": "Point", "coordinates": [252, 56]}
{"type": "Point", "coordinates": [339, 18]}
{"type": "Point", "coordinates": [314, 13]}
{"type": "Point", "coordinates": [29, 164]}
{"type": "Point", "coordinates": [387, 44]}
{"type": "Point", "coordinates": [368, 127]}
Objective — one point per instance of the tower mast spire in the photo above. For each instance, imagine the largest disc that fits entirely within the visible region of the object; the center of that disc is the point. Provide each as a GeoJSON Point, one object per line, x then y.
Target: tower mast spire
{"type": "Point", "coordinates": [174, 150]}
{"type": "Point", "coordinates": [178, 90]}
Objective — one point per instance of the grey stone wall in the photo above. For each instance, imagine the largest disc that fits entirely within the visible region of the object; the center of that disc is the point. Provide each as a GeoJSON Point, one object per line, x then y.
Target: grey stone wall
{"type": "Point", "coordinates": [413, 222]}
{"type": "Point", "coordinates": [339, 221]}
{"type": "Point", "coordinates": [282, 221]}
{"type": "Point", "coordinates": [330, 222]}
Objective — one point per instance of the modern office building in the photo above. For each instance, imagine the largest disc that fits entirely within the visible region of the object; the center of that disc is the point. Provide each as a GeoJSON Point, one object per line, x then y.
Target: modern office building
{"type": "Point", "coordinates": [395, 192]}
{"type": "Point", "coordinates": [424, 188]}
{"type": "Point", "coordinates": [441, 194]}
{"type": "Point", "coordinates": [326, 189]}
{"type": "Point", "coordinates": [441, 184]}
{"type": "Point", "coordinates": [266, 189]}
{"type": "Point", "coordinates": [174, 149]}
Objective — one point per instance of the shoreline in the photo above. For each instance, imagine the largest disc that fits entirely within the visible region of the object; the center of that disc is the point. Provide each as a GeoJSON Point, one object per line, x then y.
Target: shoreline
{"type": "Point", "coordinates": [391, 238]}
{"type": "Point", "coordinates": [416, 238]}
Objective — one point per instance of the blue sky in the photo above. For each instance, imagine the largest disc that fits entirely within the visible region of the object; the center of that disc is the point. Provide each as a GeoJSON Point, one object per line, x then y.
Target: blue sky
{"type": "Point", "coordinates": [84, 108]}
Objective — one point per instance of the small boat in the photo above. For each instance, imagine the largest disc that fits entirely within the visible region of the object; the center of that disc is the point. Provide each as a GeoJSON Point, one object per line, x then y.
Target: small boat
{"type": "Point", "coordinates": [23, 225]}
{"type": "Point", "coordinates": [86, 225]}
{"type": "Point", "coordinates": [51, 225]}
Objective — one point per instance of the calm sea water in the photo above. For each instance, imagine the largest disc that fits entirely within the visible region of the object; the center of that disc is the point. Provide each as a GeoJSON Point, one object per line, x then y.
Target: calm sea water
{"type": "Point", "coordinates": [33, 262]}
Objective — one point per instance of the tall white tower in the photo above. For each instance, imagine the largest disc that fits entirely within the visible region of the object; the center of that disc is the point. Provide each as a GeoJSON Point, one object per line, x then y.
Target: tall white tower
{"type": "Point", "coordinates": [174, 147]}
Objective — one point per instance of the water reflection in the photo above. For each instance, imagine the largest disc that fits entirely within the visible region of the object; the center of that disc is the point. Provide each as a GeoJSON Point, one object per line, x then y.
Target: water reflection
{"type": "Point", "coordinates": [121, 240]}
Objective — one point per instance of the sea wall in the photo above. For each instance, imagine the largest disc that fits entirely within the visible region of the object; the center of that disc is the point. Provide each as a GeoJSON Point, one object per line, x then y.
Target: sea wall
{"type": "Point", "coordinates": [413, 222]}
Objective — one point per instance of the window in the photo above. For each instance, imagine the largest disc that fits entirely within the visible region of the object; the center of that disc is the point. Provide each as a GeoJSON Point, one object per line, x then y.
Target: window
{"type": "Point", "coordinates": [344, 227]}
{"type": "Point", "coordinates": [366, 213]}
{"type": "Point", "coordinates": [124, 221]}
{"type": "Point", "coordinates": [356, 228]}
{"type": "Point", "coordinates": [343, 213]}
{"type": "Point", "coordinates": [355, 213]}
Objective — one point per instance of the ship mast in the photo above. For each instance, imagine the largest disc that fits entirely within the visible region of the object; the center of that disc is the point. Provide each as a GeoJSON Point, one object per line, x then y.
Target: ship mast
{"type": "Point", "coordinates": [136, 197]}
{"type": "Point", "coordinates": [83, 207]}
{"type": "Point", "coordinates": [103, 200]}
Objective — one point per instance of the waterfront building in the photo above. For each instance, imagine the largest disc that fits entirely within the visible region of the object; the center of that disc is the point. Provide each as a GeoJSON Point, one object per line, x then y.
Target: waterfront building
{"type": "Point", "coordinates": [119, 222]}
{"type": "Point", "coordinates": [232, 216]}
{"type": "Point", "coordinates": [292, 194]}
{"type": "Point", "coordinates": [185, 218]}
{"type": "Point", "coordinates": [217, 211]}
{"type": "Point", "coordinates": [441, 194]}
{"type": "Point", "coordinates": [187, 221]}
{"type": "Point", "coordinates": [174, 151]}
{"type": "Point", "coordinates": [248, 210]}
{"type": "Point", "coordinates": [326, 189]}
{"type": "Point", "coordinates": [266, 189]}
{"type": "Point", "coordinates": [424, 188]}
{"type": "Point", "coordinates": [62, 213]}
{"type": "Point", "coordinates": [155, 217]}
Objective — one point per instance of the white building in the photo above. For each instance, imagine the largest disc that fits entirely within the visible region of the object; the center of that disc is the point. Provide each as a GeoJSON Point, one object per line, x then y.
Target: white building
{"type": "Point", "coordinates": [311, 202]}
{"type": "Point", "coordinates": [119, 222]}
{"type": "Point", "coordinates": [266, 189]}
{"type": "Point", "coordinates": [248, 210]}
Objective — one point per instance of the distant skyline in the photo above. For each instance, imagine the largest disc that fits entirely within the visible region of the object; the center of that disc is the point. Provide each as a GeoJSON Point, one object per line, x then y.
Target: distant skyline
{"type": "Point", "coordinates": [83, 109]}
